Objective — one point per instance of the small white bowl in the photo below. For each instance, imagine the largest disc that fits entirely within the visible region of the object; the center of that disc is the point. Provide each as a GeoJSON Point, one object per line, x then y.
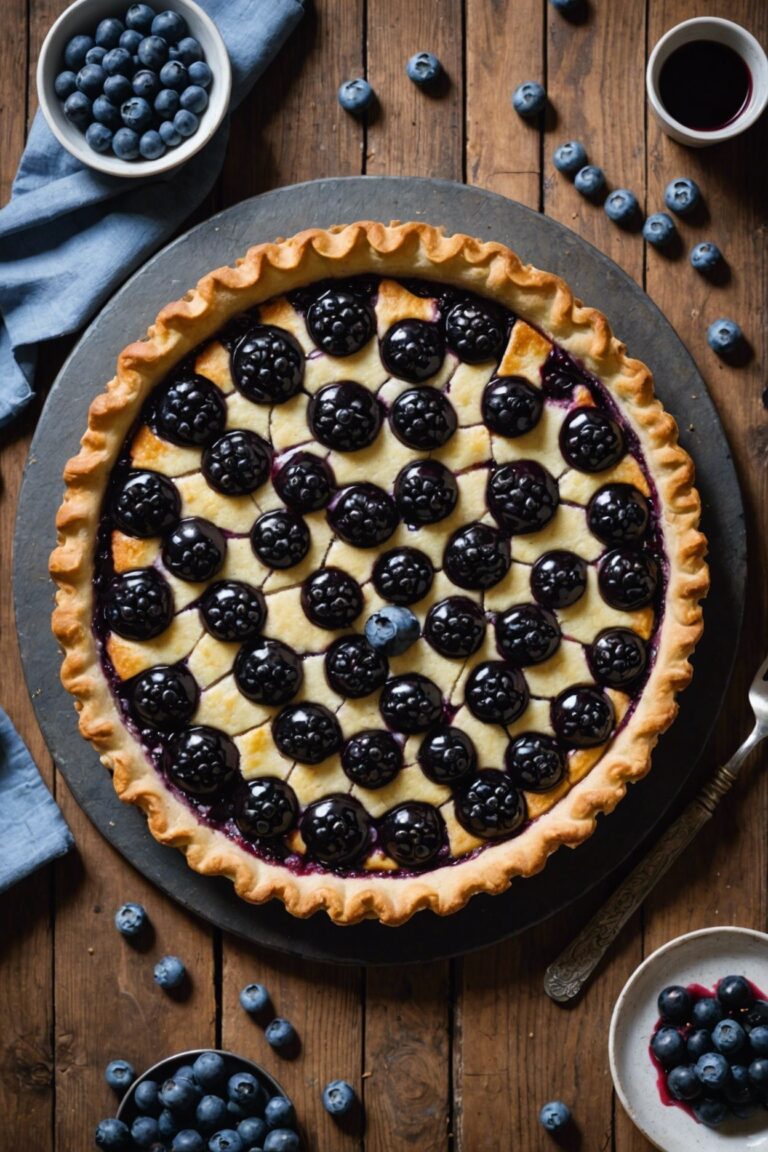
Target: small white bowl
{"type": "Point", "coordinates": [722, 32]}
{"type": "Point", "coordinates": [82, 18]}
{"type": "Point", "coordinates": [696, 958]}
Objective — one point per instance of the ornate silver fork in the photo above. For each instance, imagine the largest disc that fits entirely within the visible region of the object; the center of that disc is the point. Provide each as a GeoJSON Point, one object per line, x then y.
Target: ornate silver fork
{"type": "Point", "coordinates": [566, 977]}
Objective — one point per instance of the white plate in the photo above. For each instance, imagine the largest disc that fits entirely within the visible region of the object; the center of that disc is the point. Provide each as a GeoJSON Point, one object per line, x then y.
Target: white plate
{"type": "Point", "coordinates": [697, 958]}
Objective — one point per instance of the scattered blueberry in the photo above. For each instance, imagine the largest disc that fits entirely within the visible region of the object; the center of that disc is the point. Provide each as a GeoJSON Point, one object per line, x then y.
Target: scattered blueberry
{"type": "Point", "coordinates": [392, 630]}
{"type": "Point", "coordinates": [112, 1134]}
{"type": "Point", "coordinates": [280, 1034]}
{"type": "Point", "coordinates": [169, 972]}
{"type": "Point", "coordinates": [125, 144]}
{"type": "Point", "coordinates": [723, 336]}
{"type": "Point", "coordinates": [682, 196]}
{"type": "Point", "coordinates": [555, 1116]}
{"type": "Point", "coordinates": [98, 137]}
{"type": "Point", "coordinates": [621, 206]}
{"type": "Point", "coordinates": [355, 96]}
{"type": "Point", "coordinates": [119, 1074]}
{"type": "Point", "coordinates": [706, 256]}
{"type": "Point", "coordinates": [567, 7]}
{"type": "Point", "coordinates": [529, 99]}
{"type": "Point", "coordinates": [590, 181]}
{"type": "Point", "coordinates": [255, 999]}
{"type": "Point", "coordinates": [338, 1097]}
{"type": "Point", "coordinates": [570, 157]}
{"type": "Point", "coordinates": [424, 69]}
{"type": "Point", "coordinates": [659, 229]}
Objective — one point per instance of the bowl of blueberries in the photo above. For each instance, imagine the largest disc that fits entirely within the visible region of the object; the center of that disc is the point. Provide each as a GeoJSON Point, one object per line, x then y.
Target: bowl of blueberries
{"type": "Point", "coordinates": [133, 90]}
{"type": "Point", "coordinates": [688, 1042]}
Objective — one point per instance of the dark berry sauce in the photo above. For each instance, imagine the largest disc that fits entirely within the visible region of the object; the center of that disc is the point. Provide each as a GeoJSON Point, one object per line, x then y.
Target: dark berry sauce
{"type": "Point", "coordinates": [705, 85]}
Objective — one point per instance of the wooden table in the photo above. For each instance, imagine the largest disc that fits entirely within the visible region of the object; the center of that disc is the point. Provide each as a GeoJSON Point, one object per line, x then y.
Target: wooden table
{"type": "Point", "coordinates": [449, 1055]}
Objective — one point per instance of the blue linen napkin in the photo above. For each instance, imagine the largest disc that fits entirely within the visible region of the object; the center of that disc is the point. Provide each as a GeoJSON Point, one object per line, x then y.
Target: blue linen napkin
{"type": "Point", "coordinates": [32, 829]}
{"type": "Point", "coordinates": [70, 235]}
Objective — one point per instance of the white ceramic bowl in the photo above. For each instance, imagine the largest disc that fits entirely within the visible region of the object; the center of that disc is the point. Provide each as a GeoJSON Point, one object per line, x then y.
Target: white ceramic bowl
{"type": "Point", "coordinates": [82, 18]}
{"type": "Point", "coordinates": [722, 32]}
{"type": "Point", "coordinates": [696, 958]}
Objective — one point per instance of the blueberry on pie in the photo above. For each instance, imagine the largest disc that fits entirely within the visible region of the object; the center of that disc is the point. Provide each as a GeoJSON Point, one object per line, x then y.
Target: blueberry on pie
{"type": "Point", "coordinates": [378, 572]}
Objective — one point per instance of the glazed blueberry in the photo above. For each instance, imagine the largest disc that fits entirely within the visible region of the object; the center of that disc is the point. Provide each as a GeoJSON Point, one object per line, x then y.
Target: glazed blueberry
{"type": "Point", "coordinates": [738, 1090]}
{"type": "Point", "coordinates": [698, 1042]}
{"type": "Point", "coordinates": [76, 50]}
{"type": "Point", "coordinates": [307, 732]}
{"type": "Point", "coordinates": [706, 1012]}
{"type": "Point", "coordinates": [476, 556]}
{"type": "Point", "coordinates": [570, 157]}
{"type": "Point", "coordinates": [282, 1140]}
{"type": "Point", "coordinates": [244, 1089]}
{"type": "Point", "coordinates": [145, 504]}
{"type": "Point", "coordinates": [355, 96]}
{"type": "Point", "coordinates": [475, 333]}
{"type": "Point", "coordinates": [90, 80]}
{"type": "Point", "coordinates": [423, 418]}
{"type": "Point", "coordinates": [112, 1134]}
{"type": "Point", "coordinates": [729, 1038]}
{"type": "Point", "coordinates": [119, 1074]}
{"type": "Point", "coordinates": [496, 692]}
{"type": "Point", "coordinates": [372, 758]}
{"type": "Point", "coordinates": [758, 1075]}
{"type": "Point", "coordinates": [424, 69]}
{"type": "Point", "coordinates": [535, 762]}
{"type": "Point", "coordinates": [705, 257]}
{"type": "Point", "coordinates": [425, 492]}
{"type": "Point", "coordinates": [233, 611]}
{"type": "Point", "coordinates": [335, 829]}
{"type": "Point", "coordinates": [735, 994]}
{"type": "Point", "coordinates": [758, 1040]}
{"type": "Point", "coordinates": [354, 668]}
{"type": "Point", "coordinates": [590, 181]}
{"type": "Point", "coordinates": [125, 144]}
{"type": "Point", "coordinates": [403, 576]}
{"type": "Point", "coordinates": [682, 196]}
{"type": "Point", "coordinates": [225, 1140]}
{"type": "Point", "coordinates": [555, 1116]}
{"type": "Point", "coordinates": [267, 363]}
{"type": "Point", "coordinates": [98, 137]}
{"type": "Point", "coordinates": [186, 124]}
{"type": "Point", "coordinates": [723, 336]}
{"type": "Point", "coordinates": [200, 73]}
{"type": "Point", "coordinates": [237, 463]}
{"type": "Point", "coordinates": [138, 604]}
{"type": "Point", "coordinates": [621, 206]}
{"type": "Point", "coordinates": [412, 834]}
{"type": "Point", "coordinates": [208, 1070]}
{"type": "Point", "coordinates": [131, 919]}
{"type": "Point", "coordinates": [170, 25]}
{"type": "Point", "coordinates": [618, 514]}
{"type": "Point", "coordinates": [364, 515]}
{"type": "Point", "coordinates": [447, 755]}
{"type": "Point", "coordinates": [145, 1131]}
{"type": "Point", "coordinates": [265, 808]}
{"type": "Point", "coordinates": [558, 579]}
{"type": "Point", "coordinates": [490, 806]}
{"type": "Point", "coordinates": [145, 1096]}
{"type": "Point", "coordinates": [167, 103]}
{"type": "Point", "coordinates": [340, 323]}
{"type": "Point", "coordinates": [617, 659]}
{"type": "Point", "coordinates": [176, 1094]}
{"type": "Point", "coordinates": [527, 634]}
{"type": "Point", "coordinates": [511, 406]}
{"type": "Point", "coordinates": [338, 1097]}
{"type": "Point", "coordinates": [522, 496]}
{"type": "Point", "coordinates": [305, 482]}
{"type": "Point", "coordinates": [331, 599]}
{"type": "Point", "coordinates": [392, 630]}
{"type": "Point", "coordinates": [202, 762]}
{"type": "Point", "coordinates": [668, 1046]}
{"type": "Point", "coordinates": [455, 626]}
{"type": "Point", "coordinates": [252, 1131]}
{"type": "Point", "coordinates": [712, 1070]}
{"type": "Point", "coordinates": [191, 411]}
{"type": "Point", "coordinates": [591, 440]}
{"type": "Point", "coordinates": [410, 703]}
{"type": "Point", "coordinates": [106, 114]}
{"type": "Point", "coordinates": [627, 580]}
{"type": "Point", "coordinates": [711, 1111]}
{"type": "Point", "coordinates": [195, 550]}
{"type": "Point", "coordinates": [268, 671]}
{"type": "Point", "coordinates": [280, 539]}
{"type": "Point", "coordinates": [413, 350]}
{"type": "Point", "coordinates": [683, 1083]}
{"type": "Point", "coordinates": [659, 229]}
{"type": "Point", "coordinates": [529, 99]}
{"type": "Point", "coordinates": [279, 1113]}
{"type": "Point", "coordinates": [345, 416]}
{"type": "Point", "coordinates": [582, 717]}
{"type": "Point", "coordinates": [758, 1013]}
{"type": "Point", "coordinates": [560, 375]}
{"type": "Point", "coordinates": [674, 1004]}
{"type": "Point", "coordinates": [164, 696]}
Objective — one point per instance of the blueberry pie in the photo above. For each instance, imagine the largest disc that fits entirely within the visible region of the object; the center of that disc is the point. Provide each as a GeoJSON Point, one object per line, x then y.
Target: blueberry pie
{"type": "Point", "coordinates": [378, 572]}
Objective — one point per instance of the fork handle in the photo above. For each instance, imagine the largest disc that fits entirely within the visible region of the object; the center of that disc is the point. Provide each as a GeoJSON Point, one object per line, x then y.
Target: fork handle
{"type": "Point", "coordinates": [565, 978]}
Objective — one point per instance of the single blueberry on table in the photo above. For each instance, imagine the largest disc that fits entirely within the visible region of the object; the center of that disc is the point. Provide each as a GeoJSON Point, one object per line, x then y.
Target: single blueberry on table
{"type": "Point", "coordinates": [729, 1037]}
{"type": "Point", "coordinates": [280, 1034]}
{"type": "Point", "coordinates": [146, 1098]}
{"type": "Point", "coordinates": [188, 1140]}
{"type": "Point", "coordinates": [706, 256]}
{"type": "Point", "coordinates": [130, 40]}
{"type": "Point", "coordinates": [125, 144]}
{"type": "Point", "coordinates": [118, 62]}
{"type": "Point", "coordinates": [153, 52]}
{"type": "Point", "coordinates": [723, 336]}
{"type": "Point", "coordinates": [254, 999]}
{"type": "Point", "coordinates": [570, 157]}
{"type": "Point", "coordinates": [136, 114]}
{"type": "Point", "coordinates": [208, 1069]}
{"type": "Point", "coordinates": [682, 196]}
{"type": "Point", "coordinates": [112, 1134]}
{"type": "Point", "coordinates": [108, 33]}
{"type": "Point", "coordinates": [189, 51]}
{"type": "Point", "coordinates": [117, 89]}
{"type": "Point", "coordinates": [168, 134]}
{"type": "Point", "coordinates": [621, 206]}
{"type": "Point", "coordinates": [423, 68]}
{"type": "Point", "coordinates": [529, 99]}
{"type": "Point", "coordinates": [338, 1097]}
{"type": "Point", "coordinates": [170, 25]}
{"type": "Point", "coordinates": [78, 109]}
{"type": "Point", "coordinates": [713, 1070]}
{"type": "Point", "coordinates": [185, 123]}
{"type": "Point", "coordinates": [589, 181]}
{"type": "Point", "coordinates": [707, 1012]}
{"type": "Point", "coordinates": [194, 99]}
{"type": "Point", "coordinates": [674, 1004]}
{"type": "Point", "coordinates": [76, 51]}
{"type": "Point", "coordinates": [668, 1046]}
{"type": "Point", "coordinates": [65, 84]}
{"type": "Point", "coordinates": [98, 137]}
{"type": "Point", "coordinates": [280, 1113]}
{"type": "Point", "coordinates": [140, 17]}
{"type": "Point", "coordinates": [211, 1114]}
{"type": "Point", "coordinates": [355, 96]}
{"type": "Point", "coordinates": [683, 1083]}
{"type": "Point", "coordinates": [90, 80]}
{"type": "Point", "coordinates": [119, 1074]}
{"type": "Point", "coordinates": [227, 1140]}
{"type": "Point", "coordinates": [145, 84]}
{"type": "Point", "coordinates": [169, 972]}
{"type": "Point", "coordinates": [200, 73]}
{"type": "Point", "coordinates": [659, 229]}
{"type": "Point", "coordinates": [167, 103]}
{"type": "Point", "coordinates": [392, 630]}
{"type": "Point", "coordinates": [95, 55]}
{"type": "Point", "coordinates": [712, 1111]}
{"type": "Point", "coordinates": [151, 145]}
{"type": "Point", "coordinates": [252, 1131]}
{"type": "Point", "coordinates": [555, 1116]}
{"type": "Point", "coordinates": [282, 1140]}
{"type": "Point", "coordinates": [174, 75]}
{"type": "Point", "coordinates": [145, 1131]}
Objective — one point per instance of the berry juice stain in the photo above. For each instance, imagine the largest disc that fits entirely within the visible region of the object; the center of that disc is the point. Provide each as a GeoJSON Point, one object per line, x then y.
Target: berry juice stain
{"type": "Point", "coordinates": [705, 85]}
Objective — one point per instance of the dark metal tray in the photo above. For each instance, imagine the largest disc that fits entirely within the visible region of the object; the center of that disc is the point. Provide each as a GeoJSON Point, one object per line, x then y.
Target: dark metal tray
{"type": "Point", "coordinates": [648, 335]}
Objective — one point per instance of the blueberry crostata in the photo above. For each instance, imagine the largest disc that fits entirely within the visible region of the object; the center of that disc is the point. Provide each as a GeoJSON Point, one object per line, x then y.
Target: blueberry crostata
{"type": "Point", "coordinates": [378, 571]}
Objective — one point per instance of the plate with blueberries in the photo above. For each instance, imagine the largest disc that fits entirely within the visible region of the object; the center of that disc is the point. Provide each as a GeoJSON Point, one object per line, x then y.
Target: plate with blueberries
{"type": "Point", "coordinates": [688, 1042]}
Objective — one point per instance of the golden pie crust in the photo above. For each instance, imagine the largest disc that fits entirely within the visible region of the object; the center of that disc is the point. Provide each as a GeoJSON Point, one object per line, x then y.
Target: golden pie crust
{"type": "Point", "coordinates": [268, 271]}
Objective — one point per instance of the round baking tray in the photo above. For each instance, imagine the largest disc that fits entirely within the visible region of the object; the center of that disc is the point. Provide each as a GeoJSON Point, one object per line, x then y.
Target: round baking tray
{"type": "Point", "coordinates": [596, 280]}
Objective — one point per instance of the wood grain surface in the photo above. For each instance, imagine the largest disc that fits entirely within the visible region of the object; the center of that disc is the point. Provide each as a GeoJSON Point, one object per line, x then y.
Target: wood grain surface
{"type": "Point", "coordinates": [450, 1055]}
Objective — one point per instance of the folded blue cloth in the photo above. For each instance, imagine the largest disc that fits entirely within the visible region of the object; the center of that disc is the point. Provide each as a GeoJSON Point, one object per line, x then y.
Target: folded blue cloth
{"type": "Point", "coordinates": [70, 236]}
{"type": "Point", "coordinates": [32, 830]}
